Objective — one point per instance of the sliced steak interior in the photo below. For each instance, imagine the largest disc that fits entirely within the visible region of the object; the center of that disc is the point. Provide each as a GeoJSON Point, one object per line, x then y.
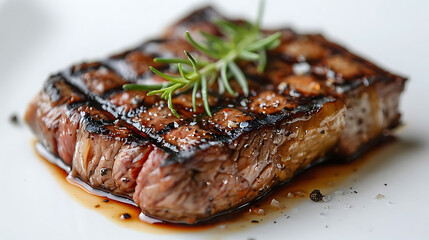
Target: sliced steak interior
{"type": "Point", "coordinates": [315, 100]}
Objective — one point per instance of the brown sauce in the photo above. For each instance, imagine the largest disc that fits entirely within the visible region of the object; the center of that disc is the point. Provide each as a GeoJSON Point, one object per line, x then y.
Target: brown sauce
{"type": "Point", "coordinates": [327, 177]}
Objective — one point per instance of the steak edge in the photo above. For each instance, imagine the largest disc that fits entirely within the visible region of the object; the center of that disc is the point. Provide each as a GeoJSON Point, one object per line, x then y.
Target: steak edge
{"type": "Point", "coordinates": [315, 100]}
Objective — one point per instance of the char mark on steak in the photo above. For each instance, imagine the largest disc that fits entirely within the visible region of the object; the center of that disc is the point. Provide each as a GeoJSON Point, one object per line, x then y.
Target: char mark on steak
{"type": "Point", "coordinates": [314, 100]}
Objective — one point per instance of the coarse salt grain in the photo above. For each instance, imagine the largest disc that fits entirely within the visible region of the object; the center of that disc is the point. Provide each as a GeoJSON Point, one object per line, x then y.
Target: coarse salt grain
{"type": "Point", "coordinates": [379, 196]}
{"type": "Point", "coordinates": [275, 203]}
{"type": "Point", "coordinates": [326, 198]}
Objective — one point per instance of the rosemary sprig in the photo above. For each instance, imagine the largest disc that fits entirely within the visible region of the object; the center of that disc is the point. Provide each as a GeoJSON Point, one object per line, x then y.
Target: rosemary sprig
{"type": "Point", "coordinates": [241, 42]}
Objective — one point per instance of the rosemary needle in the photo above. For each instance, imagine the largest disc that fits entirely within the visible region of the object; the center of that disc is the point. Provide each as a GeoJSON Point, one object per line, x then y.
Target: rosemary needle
{"type": "Point", "coordinates": [241, 42]}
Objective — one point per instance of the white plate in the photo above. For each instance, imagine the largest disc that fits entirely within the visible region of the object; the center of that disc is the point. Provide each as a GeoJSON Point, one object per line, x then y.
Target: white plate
{"type": "Point", "coordinates": [40, 37]}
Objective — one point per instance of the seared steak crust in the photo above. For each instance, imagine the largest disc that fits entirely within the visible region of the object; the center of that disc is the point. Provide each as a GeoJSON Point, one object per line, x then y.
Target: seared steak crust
{"type": "Point", "coordinates": [315, 100]}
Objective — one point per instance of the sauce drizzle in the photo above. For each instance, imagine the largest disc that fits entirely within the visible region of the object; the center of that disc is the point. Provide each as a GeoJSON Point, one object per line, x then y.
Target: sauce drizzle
{"type": "Point", "coordinates": [327, 177]}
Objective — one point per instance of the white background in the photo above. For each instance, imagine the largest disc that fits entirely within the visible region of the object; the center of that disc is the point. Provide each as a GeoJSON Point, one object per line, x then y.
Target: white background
{"type": "Point", "coordinates": [40, 37]}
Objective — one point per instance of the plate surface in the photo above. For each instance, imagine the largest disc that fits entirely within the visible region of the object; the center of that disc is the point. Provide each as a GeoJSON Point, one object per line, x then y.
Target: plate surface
{"type": "Point", "coordinates": [40, 37]}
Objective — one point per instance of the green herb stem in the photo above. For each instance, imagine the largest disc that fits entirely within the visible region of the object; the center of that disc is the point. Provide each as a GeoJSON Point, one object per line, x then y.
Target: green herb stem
{"type": "Point", "coordinates": [240, 42]}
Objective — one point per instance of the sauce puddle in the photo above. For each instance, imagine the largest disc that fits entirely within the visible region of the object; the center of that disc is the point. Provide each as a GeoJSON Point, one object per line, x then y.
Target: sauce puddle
{"type": "Point", "coordinates": [326, 177]}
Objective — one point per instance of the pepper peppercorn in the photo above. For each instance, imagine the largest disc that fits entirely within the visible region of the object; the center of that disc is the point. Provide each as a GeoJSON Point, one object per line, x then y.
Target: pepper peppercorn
{"type": "Point", "coordinates": [316, 195]}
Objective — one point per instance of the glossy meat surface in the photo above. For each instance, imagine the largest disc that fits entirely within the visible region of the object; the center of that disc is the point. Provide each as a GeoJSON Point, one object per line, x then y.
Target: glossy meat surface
{"type": "Point", "coordinates": [314, 100]}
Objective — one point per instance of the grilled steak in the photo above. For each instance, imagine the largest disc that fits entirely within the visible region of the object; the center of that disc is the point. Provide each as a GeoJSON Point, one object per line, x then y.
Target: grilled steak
{"type": "Point", "coordinates": [315, 100]}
